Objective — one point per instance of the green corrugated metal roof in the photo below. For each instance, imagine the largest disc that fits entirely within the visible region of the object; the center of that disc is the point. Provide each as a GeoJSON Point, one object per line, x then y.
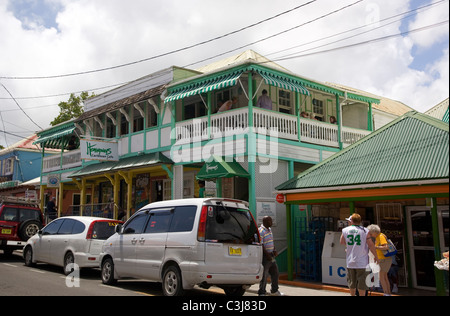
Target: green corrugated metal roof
{"type": "Point", "coordinates": [413, 147]}
{"type": "Point", "coordinates": [127, 163]}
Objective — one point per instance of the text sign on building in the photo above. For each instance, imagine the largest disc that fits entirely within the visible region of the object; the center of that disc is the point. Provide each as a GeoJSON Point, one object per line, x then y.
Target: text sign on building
{"type": "Point", "coordinates": [99, 150]}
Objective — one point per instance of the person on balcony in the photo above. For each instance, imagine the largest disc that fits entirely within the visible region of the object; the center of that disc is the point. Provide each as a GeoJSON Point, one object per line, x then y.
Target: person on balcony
{"type": "Point", "coordinates": [72, 143]}
{"type": "Point", "coordinates": [228, 105]}
{"type": "Point", "coordinates": [264, 102]}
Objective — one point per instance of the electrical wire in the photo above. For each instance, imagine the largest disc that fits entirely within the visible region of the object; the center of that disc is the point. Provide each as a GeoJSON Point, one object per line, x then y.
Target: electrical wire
{"type": "Point", "coordinates": [424, 7]}
{"type": "Point", "coordinates": [20, 106]}
{"type": "Point", "coordinates": [160, 55]}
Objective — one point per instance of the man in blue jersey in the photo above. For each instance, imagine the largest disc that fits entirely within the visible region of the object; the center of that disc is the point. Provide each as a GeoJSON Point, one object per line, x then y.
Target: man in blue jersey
{"type": "Point", "coordinates": [358, 242]}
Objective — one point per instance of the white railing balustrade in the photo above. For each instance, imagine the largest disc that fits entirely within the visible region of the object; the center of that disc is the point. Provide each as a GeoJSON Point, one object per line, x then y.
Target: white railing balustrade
{"type": "Point", "coordinates": [352, 135]}
{"type": "Point", "coordinates": [70, 159]}
{"type": "Point", "coordinates": [285, 126]}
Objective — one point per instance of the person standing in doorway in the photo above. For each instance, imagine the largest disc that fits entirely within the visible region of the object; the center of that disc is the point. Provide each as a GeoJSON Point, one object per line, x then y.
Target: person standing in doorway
{"type": "Point", "coordinates": [51, 208]}
{"type": "Point", "coordinates": [358, 242]}
{"type": "Point", "coordinates": [269, 263]}
{"type": "Point", "coordinates": [264, 102]}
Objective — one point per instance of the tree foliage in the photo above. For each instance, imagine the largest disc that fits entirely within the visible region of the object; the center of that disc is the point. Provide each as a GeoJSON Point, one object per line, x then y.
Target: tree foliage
{"type": "Point", "coordinates": [71, 109]}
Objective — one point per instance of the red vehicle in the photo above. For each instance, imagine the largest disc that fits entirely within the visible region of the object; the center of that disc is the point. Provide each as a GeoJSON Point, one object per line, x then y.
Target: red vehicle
{"type": "Point", "coordinates": [20, 219]}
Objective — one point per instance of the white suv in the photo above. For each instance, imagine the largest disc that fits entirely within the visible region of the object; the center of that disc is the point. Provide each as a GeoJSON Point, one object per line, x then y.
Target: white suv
{"type": "Point", "coordinates": [183, 243]}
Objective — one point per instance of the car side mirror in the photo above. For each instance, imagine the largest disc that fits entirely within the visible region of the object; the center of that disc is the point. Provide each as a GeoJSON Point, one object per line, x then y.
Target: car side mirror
{"type": "Point", "coordinates": [40, 232]}
{"type": "Point", "coordinates": [118, 229]}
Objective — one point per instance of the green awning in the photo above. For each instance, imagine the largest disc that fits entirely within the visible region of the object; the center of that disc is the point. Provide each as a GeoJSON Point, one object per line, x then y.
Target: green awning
{"type": "Point", "coordinates": [56, 137]}
{"type": "Point", "coordinates": [283, 82]}
{"type": "Point", "coordinates": [124, 164]}
{"type": "Point", "coordinates": [221, 82]}
{"type": "Point", "coordinates": [141, 161]}
{"type": "Point", "coordinates": [220, 167]}
{"type": "Point", "coordinates": [96, 168]}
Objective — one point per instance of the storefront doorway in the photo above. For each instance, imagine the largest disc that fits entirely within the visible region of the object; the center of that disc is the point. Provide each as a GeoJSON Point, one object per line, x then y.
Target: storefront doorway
{"type": "Point", "coordinates": [421, 247]}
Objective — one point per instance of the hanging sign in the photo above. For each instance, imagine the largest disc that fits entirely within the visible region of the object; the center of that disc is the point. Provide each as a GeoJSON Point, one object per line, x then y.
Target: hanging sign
{"type": "Point", "coordinates": [99, 150]}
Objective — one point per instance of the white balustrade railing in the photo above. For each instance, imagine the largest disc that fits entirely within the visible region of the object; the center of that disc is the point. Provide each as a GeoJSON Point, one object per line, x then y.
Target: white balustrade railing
{"type": "Point", "coordinates": [70, 159]}
{"type": "Point", "coordinates": [266, 122]}
{"type": "Point", "coordinates": [320, 133]}
{"type": "Point", "coordinates": [352, 135]}
{"type": "Point", "coordinates": [284, 125]}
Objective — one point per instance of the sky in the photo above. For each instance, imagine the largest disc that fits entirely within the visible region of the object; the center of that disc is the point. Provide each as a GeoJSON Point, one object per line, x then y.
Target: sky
{"type": "Point", "coordinates": [42, 42]}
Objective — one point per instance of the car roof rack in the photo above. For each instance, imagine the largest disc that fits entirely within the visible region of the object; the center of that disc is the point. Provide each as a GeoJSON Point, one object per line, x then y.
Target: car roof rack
{"type": "Point", "coordinates": [20, 200]}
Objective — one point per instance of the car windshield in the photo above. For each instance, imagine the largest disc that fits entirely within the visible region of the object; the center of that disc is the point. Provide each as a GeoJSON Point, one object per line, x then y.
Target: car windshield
{"type": "Point", "coordinates": [103, 229]}
{"type": "Point", "coordinates": [231, 225]}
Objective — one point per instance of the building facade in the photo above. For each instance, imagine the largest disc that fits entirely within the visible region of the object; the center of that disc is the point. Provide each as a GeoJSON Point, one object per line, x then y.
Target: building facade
{"type": "Point", "coordinates": [167, 128]}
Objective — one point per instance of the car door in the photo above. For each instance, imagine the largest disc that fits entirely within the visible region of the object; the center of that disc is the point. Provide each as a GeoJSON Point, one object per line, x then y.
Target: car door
{"type": "Point", "coordinates": [60, 242]}
{"type": "Point", "coordinates": [125, 249]}
{"type": "Point", "coordinates": [41, 249]}
{"type": "Point", "coordinates": [151, 245]}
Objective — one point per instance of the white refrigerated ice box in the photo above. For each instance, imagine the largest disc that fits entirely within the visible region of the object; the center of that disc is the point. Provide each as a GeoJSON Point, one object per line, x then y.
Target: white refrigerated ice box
{"type": "Point", "coordinates": [334, 267]}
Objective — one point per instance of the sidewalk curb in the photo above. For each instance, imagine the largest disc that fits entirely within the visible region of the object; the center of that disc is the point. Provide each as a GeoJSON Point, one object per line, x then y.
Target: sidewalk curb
{"type": "Point", "coordinates": [315, 286]}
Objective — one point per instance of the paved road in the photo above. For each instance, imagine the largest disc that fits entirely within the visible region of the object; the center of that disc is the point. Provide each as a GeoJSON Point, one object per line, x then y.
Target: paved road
{"type": "Point", "coordinates": [45, 280]}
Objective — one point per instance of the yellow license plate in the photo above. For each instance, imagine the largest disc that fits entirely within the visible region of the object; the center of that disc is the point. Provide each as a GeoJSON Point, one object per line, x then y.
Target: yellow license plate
{"type": "Point", "coordinates": [6, 231]}
{"type": "Point", "coordinates": [235, 251]}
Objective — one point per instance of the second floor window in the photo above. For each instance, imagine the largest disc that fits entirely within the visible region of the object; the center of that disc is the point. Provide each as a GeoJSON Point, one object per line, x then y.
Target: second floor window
{"type": "Point", "coordinates": [8, 166]}
{"type": "Point", "coordinates": [284, 101]}
{"type": "Point", "coordinates": [138, 120]}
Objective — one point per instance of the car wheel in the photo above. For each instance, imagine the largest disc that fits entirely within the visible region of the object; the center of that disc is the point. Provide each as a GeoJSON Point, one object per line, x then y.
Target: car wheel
{"type": "Point", "coordinates": [28, 229]}
{"type": "Point", "coordinates": [108, 272]}
{"type": "Point", "coordinates": [28, 256]}
{"type": "Point", "coordinates": [172, 284]}
{"type": "Point", "coordinates": [69, 261]}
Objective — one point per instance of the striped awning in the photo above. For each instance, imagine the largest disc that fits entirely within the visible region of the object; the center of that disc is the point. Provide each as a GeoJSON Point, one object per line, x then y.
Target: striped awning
{"type": "Point", "coordinates": [445, 118]}
{"type": "Point", "coordinates": [56, 137]}
{"type": "Point", "coordinates": [221, 82]}
{"type": "Point", "coordinates": [283, 82]}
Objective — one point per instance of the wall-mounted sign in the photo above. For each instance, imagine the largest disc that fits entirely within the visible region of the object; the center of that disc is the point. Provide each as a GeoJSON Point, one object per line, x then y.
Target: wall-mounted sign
{"type": "Point", "coordinates": [99, 150]}
{"type": "Point", "coordinates": [53, 180]}
{"type": "Point", "coordinates": [266, 208]}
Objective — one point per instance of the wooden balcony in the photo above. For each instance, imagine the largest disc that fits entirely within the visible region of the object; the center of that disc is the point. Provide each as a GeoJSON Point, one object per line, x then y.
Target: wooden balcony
{"type": "Point", "coordinates": [68, 160]}
{"type": "Point", "coordinates": [275, 124]}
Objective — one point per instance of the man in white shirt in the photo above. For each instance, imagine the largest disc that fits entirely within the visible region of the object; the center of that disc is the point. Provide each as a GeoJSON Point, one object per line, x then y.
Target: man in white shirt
{"type": "Point", "coordinates": [358, 241]}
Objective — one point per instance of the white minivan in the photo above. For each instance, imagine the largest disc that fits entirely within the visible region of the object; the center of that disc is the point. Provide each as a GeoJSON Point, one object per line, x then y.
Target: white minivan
{"type": "Point", "coordinates": [183, 243]}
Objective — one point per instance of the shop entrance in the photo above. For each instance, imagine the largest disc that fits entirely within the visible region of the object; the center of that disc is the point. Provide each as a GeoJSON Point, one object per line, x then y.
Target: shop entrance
{"type": "Point", "coordinates": [421, 246]}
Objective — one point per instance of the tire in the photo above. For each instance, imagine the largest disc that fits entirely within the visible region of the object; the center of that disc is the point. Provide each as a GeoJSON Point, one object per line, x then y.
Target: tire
{"type": "Point", "coordinates": [28, 229]}
{"type": "Point", "coordinates": [108, 272]}
{"type": "Point", "coordinates": [28, 257]}
{"type": "Point", "coordinates": [69, 260]}
{"type": "Point", "coordinates": [172, 284]}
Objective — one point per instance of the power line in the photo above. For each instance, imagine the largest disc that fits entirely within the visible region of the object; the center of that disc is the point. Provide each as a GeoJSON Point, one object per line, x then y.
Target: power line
{"type": "Point", "coordinates": [410, 13]}
{"type": "Point", "coordinates": [277, 34]}
{"type": "Point", "coordinates": [427, 6]}
{"type": "Point", "coordinates": [20, 106]}
{"type": "Point", "coordinates": [164, 54]}
{"type": "Point", "coordinates": [366, 42]}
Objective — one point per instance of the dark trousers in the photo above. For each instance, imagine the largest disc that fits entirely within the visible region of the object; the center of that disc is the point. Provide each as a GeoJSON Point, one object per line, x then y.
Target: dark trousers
{"type": "Point", "coordinates": [270, 268]}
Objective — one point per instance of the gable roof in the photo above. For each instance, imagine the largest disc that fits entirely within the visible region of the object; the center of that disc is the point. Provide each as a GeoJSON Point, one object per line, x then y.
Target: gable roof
{"type": "Point", "coordinates": [413, 147]}
{"type": "Point", "coordinates": [243, 57]}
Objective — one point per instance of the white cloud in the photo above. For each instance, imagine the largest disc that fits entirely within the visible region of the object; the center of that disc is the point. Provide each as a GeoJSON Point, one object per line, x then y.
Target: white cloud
{"type": "Point", "coordinates": [91, 35]}
{"type": "Point", "coordinates": [428, 17]}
